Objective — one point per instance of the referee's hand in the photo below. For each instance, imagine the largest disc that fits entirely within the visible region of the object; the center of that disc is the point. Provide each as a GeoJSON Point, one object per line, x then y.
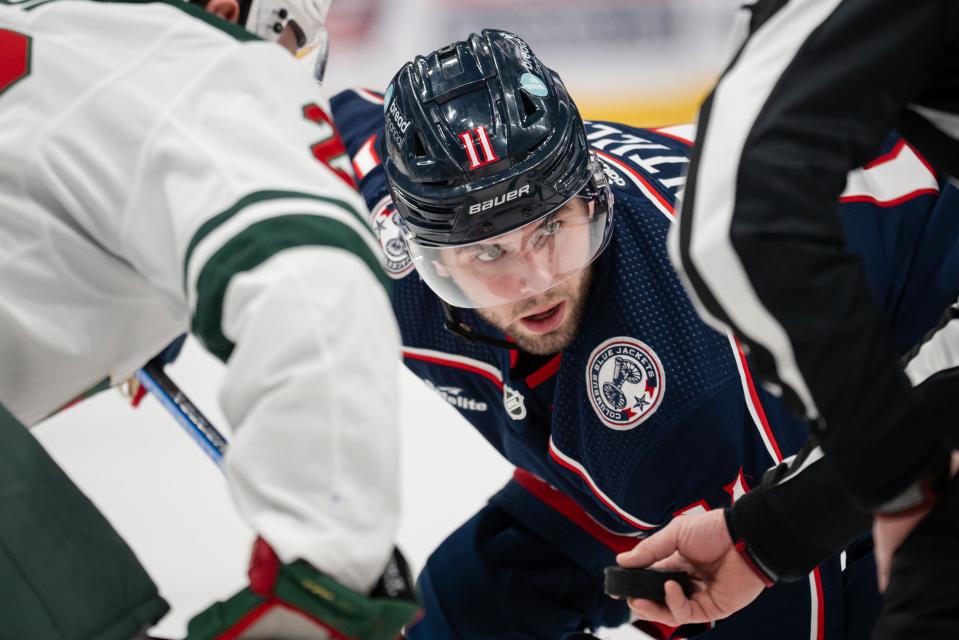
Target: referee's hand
{"type": "Point", "coordinates": [700, 545]}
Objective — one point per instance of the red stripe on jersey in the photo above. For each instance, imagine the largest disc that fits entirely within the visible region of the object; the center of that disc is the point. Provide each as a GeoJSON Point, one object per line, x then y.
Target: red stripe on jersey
{"type": "Point", "coordinates": [821, 612]}
{"type": "Point", "coordinates": [371, 96]}
{"type": "Point", "coordinates": [890, 203]}
{"type": "Point", "coordinates": [544, 373]}
{"type": "Point", "coordinates": [699, 505]}
{"type": "Point", "coordinates": [923, 160]}
{"type": "Point", "coordinates": [652, 190]}
{"type": "Point", "coordinates": [757, 404]}
{"type": "Point", "coordinates": [672, 136]}
{"type": "Point", "coordinates": [567, 507]}
{"type": "Point", "coordinates": [366, 158]}
{"type": "Point", "coordinates": [886, 157]}
{"type": "Point", "coordinates": [633, 522]}
{"type": "Point", "coordinates": [455, 365]}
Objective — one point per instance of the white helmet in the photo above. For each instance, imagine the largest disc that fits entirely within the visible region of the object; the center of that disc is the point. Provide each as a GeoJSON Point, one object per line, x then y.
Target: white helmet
{"type": "Point", "coordinates": [268, 19]}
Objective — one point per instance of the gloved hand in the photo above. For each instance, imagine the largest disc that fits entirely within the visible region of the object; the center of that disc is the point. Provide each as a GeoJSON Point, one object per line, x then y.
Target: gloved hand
{"type": "Point", "coordinates": [296, 602]}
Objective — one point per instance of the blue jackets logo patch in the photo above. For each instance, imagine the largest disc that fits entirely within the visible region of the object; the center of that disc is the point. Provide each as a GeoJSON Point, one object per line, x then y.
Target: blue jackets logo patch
{"type": "Point", "coordinates": [625, 381]}
{"type": "Point", "coordinates": [385, 223]}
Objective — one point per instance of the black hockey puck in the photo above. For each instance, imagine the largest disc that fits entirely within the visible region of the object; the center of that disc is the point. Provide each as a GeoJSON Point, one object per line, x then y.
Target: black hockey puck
{"type": "Point", "coordinates": [648, 584]}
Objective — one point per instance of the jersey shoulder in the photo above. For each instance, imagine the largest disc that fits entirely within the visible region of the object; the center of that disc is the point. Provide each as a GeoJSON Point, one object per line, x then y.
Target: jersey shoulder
{"type": "Point", "coordinates": [646, 165]}
{"type": "Point", "coordinates": [358, 114]}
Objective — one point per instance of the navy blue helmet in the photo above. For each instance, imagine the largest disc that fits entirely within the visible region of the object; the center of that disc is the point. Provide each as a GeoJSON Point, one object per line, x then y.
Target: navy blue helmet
{"type": "Point", "coordinates": [481, 138]}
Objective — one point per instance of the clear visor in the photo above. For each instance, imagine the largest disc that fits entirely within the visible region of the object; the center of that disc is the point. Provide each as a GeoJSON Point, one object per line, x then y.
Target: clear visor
{"type": "Point", "coordinates": [523, 262]}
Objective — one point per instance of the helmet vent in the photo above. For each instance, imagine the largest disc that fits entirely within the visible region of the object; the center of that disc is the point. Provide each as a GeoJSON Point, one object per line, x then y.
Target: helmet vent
{"type": "Point", "coordinates": [449, 60]}
{"type": "Point", "coordinates": [530, 109]}
{"type": "Point", "coordinates": [419, 148]}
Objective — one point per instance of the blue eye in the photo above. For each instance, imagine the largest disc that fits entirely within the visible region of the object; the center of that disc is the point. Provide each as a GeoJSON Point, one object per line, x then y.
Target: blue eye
{"type": "Point", "coordinates": [546, 231]}
{"type": "Point", "coordinates": [551, 227]}
{"type": "Point", "coordinates": [489, 252]}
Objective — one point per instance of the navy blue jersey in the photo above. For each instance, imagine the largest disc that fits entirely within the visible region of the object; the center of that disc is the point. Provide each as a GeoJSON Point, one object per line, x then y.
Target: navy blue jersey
{"type": "Point", "coordinates": [649, 412]}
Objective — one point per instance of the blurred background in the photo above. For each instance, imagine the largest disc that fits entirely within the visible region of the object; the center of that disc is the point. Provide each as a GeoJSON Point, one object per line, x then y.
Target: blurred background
{"type": "Point", "coordinates": [642, 62]}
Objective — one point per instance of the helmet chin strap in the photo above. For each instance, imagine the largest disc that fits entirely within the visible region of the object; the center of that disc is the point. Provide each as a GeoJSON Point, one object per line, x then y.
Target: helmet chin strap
{"type": "Point", "coordinates": [455, 325]}
{"type": "Point", "coordinates": [244, 11]}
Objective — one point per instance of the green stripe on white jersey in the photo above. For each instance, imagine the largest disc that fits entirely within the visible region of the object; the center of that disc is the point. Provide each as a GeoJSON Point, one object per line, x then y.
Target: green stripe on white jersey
{"type": "Point", "coordinates": [256, 228]}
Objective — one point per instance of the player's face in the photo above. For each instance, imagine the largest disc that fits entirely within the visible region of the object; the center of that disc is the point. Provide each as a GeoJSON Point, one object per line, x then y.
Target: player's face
{"type": "Point", "coordinates": [545, 323]}
{"type": "Point", "coordinates": [538, 268]}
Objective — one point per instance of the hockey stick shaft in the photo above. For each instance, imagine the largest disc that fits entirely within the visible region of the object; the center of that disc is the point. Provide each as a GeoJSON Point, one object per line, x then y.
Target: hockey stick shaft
{"type": "Point", "coordinates": [154, 378]}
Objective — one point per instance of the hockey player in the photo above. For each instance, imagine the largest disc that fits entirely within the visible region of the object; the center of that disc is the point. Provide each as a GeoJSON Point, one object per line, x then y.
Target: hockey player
{"type": "Point", "coordinates": [542, 241]}
{"type": "Point", "coordinates": [163, 170]}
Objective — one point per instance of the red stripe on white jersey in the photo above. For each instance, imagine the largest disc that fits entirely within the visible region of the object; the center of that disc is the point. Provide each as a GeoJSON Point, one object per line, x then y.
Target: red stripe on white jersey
{"type": "Point", "coordinates": [366, 158]}
{"type": "Point", "coordinates": [891, 179]}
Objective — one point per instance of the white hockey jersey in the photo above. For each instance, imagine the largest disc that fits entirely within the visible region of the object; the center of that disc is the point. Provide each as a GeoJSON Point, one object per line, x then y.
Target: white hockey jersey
{"type": "Point", "coordinates": [161, 170]}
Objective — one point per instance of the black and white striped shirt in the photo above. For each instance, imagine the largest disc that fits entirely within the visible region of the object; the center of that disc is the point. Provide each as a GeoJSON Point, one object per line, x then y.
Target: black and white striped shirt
{"type": "Point", "coordinates": [812, 93]}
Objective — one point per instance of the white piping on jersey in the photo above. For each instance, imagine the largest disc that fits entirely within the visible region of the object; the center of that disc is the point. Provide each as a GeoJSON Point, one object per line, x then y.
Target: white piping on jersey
{"type": "Point", "coordinates": [751, 81]}
{"type": "Point", "coordinates": [265, 210]}
{"type": "Point", "coordinates": [365, 159]}
{"type": "Point", "coordinates": [566, 460]}
{"type": "Point", "coordinates": [744, 383]}
{"type": "Point", "coordinates": [368, 95]}
{"type": "Point", "coordinates": [815, 599]}
{"type": "Point", "coordinates": [488, 369]}
{"type": "Point", "coordinates": [579, 470]}
{"type": "Point", "coordinates": [639, 183]}
{"type": "Point", "coordinates": [892, 179]}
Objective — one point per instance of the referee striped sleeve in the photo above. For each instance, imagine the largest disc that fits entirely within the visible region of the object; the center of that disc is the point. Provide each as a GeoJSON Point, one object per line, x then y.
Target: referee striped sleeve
{"type": "Point", "coordinates": [709, 260]}
{"type": "Point", "coordinates": [810, 95]}
{"type": "Point", "coordinates": [938, 353]}
{"type": "Point", "coordinates": [253, 230]}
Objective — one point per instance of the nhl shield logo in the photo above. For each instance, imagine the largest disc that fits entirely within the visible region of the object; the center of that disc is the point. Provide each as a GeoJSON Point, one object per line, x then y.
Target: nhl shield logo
{"type": "Point", "coordinates": [625, 382]}
{"type": "Point", "coordinates": [385, 223]}
{"type": "Point", "coordinates": [514, 402]}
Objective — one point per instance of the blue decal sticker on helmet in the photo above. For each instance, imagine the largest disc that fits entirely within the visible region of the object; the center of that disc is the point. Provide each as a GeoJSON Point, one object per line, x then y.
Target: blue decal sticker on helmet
{"type": "Point", "coordinates": [534, 85]}
{"type": "Point", "coordinates": [387, 97]}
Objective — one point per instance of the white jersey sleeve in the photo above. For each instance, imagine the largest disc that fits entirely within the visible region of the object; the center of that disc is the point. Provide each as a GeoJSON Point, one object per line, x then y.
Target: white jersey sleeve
{"type": "Point", "coordinates": [199, 170]}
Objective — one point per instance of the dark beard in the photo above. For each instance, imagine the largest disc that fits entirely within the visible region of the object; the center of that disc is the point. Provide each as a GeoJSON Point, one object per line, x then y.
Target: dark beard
{"type": "Point", "coordinates": [558, 340]}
